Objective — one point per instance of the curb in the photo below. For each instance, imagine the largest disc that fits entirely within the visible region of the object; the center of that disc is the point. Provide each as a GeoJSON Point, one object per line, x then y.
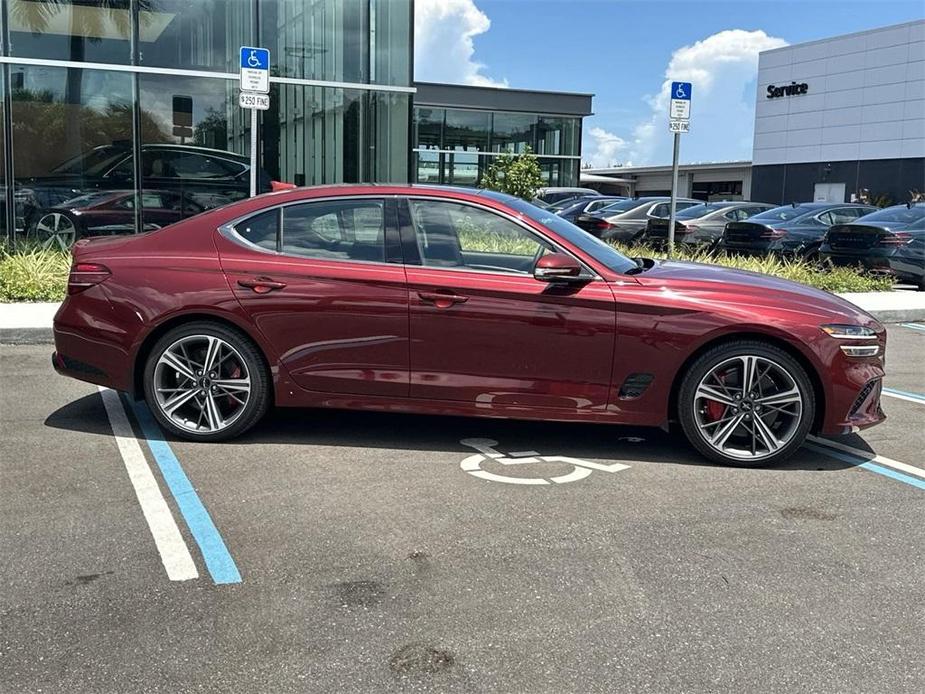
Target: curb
{"type": "Point", "coordinates": [26, 336]}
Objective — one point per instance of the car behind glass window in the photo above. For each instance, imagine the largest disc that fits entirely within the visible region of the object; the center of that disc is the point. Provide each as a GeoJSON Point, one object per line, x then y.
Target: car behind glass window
{"type": "Point", "coordinates": [260, 229]}
{"type": "Point", "coordinates": [335, 230]}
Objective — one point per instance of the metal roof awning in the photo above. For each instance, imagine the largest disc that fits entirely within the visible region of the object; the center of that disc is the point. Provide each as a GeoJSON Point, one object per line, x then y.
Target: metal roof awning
{"type": "Point", "coordinates": [594, 178]}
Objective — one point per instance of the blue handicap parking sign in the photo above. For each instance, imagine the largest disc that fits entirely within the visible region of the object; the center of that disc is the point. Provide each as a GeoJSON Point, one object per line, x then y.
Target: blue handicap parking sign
{"type": "Point", "coordinates": [681, 90]}
{"type": "Point", "coordinates": [255, 58]}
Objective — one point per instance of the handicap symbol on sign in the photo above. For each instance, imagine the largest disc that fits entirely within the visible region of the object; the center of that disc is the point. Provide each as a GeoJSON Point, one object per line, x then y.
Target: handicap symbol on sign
{"type": "Point", "coordinates": [253, 60]}
{"type": "Point", "coordinates": [486, 451]}
{"type": "Point", "coordinates": [679, 93]}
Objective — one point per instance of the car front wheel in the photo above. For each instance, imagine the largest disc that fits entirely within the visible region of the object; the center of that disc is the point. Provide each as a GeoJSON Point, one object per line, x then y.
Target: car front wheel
{"type": "Point", "coordinates": [206, 382]}
{"type": "Point", "coordinates": [746, 403]}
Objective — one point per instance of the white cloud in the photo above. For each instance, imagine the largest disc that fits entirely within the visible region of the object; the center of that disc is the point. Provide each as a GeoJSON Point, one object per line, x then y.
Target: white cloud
{"type": "Point", "coordinates": [603, 148]}
{"type": "Point", "coordinates": [721, 67]}
{"type": "Point", "coordinates": [443, 42]}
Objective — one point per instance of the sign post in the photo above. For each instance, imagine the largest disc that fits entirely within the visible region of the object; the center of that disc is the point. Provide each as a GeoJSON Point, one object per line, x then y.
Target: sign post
{"type": "Point", "coordinates": [255, 88]}
{"type": "Point", "coordinates": [679, 121]}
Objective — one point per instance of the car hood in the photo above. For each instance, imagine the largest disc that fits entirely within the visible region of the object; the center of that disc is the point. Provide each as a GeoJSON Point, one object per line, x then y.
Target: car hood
{"type": "Point", "coordinates": [753, 296]}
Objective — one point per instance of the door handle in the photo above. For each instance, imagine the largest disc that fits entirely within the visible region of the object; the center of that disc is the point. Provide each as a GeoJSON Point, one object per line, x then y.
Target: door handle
{"type": "Point", "coordinates": [442, 299]}
{"type": "Point", "coordinates": [261, 285]}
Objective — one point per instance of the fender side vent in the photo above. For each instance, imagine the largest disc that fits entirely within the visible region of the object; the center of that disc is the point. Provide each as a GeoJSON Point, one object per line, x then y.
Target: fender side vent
{"type": "Point", "coordinates": [635, 385]}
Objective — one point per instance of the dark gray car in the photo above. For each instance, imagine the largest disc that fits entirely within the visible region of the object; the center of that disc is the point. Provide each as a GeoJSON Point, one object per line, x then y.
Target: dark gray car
{"type": "Point", "coordinates": [701, 225]}
{"type": "Point", "coordinates": [790, 230]}
{"type": "Point", "coordinates": [626, 220]}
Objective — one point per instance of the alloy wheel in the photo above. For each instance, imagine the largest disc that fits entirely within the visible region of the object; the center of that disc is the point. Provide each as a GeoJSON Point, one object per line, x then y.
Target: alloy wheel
{"type": "Point", "coordinates": [748, 407]}
{"type": "Point", "coordinates": [56, 230]}
{"type": "Point", "coordinates": [202, 384]}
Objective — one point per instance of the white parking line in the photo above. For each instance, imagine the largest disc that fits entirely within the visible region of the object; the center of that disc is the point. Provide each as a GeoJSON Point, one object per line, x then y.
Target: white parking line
{"type": "Point", "coordinates": [174, 553]}
{"type": "Point", "coordinates": [872, 457]}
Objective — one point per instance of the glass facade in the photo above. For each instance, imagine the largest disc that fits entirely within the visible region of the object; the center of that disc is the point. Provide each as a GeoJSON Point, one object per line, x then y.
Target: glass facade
{"type": "Point", "coordinates": [455, 146]}
{"type": "Point", "coordinates": [120, 116]}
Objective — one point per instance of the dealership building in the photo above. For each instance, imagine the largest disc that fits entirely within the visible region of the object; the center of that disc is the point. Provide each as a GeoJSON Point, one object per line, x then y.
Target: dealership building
{"type": "Point", "coordinates": [836, 120]}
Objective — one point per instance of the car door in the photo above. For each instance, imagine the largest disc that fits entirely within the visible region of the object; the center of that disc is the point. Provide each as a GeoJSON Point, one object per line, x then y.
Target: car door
{"type": "Point", "coordinates": [483, 330]}
{"type": "Point", "coordinates": [317, 280]}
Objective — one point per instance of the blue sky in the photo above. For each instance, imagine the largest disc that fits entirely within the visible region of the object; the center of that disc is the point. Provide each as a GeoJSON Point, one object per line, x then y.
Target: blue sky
{"type": "Point", "coordinates": [622, 50]}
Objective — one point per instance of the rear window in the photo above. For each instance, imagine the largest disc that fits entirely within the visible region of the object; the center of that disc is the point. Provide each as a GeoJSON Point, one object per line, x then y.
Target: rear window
{"type": "Point", "coordinates": [699, 211]}
{"type": "Point", "coordinates": [783, 214]}
{"type": "Point", "coordinates": [624, 205]}
{"type": "Point", "coordinates": [898, 213]}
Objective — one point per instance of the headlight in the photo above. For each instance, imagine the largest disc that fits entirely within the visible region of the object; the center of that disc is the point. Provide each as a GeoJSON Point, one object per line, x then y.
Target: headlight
{"type": "Point", "coordinates": [860, 350]}
{"type": "Point", "coordinates": [848, 332]}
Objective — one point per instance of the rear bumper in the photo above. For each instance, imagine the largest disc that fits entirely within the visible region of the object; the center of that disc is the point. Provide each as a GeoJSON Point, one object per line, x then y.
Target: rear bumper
{"type": "Point", "coordinates": [87, 346]}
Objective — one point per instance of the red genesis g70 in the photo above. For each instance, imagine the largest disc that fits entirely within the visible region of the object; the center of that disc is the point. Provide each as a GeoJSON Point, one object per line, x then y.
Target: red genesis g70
{"type": "Point", "coordinates": [463, 302]}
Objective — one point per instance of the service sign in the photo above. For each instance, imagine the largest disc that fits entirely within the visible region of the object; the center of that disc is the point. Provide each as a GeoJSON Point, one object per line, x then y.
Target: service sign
{"type": "Point", "coordinates": [255, 69]}
{"type": "Point", "coordinates": [261, 102]}
{"type": "Point", "coordinates": [679, 126]}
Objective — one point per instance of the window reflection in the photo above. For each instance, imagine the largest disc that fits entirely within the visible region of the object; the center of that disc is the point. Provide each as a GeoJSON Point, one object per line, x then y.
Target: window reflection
{"type": "Point", "coordinates": [73, 135]}
{"type": "Point", "coordinates": [85, 30]}
{"type": "Point", "coordinates": [200, 35]}
{"type": "Point", "coordinates": [466, 130]}
{"type": "Point", "coordinates": [193, 147]}
{"type": "Point", "coordinates": [513, 132]}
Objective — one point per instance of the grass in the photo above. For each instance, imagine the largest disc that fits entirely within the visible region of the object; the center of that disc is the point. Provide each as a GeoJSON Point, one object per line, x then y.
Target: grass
{"type": "Point", "coordinates": [832, 279]}
{"type": "Point", "coordinates": [33, 274]}
{"type": "Point", "coordinates": [28, 273]}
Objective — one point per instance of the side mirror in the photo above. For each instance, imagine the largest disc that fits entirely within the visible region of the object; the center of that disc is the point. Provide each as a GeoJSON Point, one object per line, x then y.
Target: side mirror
{"type": "Point", "coordinates": [557, 267]}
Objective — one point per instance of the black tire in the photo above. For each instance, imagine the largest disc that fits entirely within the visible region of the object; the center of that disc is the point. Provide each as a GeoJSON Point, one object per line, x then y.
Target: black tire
{"type": "Point", "coordinates": [716, 356]}
{"type": "Point", "coordinates": [258, 401]}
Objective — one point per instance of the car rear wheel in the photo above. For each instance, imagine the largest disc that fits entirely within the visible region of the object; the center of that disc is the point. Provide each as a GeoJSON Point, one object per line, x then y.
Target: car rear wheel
{"type": "Point", "coordinates": [206, 382]}
{"type": "Point", "coordinates": [746, 403]}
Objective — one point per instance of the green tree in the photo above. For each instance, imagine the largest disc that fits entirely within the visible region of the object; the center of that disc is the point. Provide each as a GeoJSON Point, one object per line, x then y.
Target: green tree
{"type": "Point", "coordinates": [514, 174]}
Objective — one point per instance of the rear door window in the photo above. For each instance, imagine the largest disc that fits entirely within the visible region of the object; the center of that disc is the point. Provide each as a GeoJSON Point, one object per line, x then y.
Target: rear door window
{"type": "Point", "coordinates": [349, 230]}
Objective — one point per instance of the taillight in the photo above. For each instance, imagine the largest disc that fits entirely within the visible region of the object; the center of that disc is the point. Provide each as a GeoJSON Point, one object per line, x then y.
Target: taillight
{"type": "Point", "coordinates": [602, 224]}
{"type": "Point", "coordinates": [85, 275]}
{"type": "Point", "coordinates": [685, 228]}
{"type": "Point", "coordinates": [774, 234]}
{"type": "Point", "coordinates": [897, 238]}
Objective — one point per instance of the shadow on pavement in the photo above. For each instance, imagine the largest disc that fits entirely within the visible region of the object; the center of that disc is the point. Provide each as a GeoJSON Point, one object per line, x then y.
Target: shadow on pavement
{"type": "Point", "coordinates": [434, 433]}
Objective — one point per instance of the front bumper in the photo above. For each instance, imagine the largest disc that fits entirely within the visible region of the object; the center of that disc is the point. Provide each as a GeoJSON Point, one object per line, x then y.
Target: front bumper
{"type": "Point", "coordinates": [853, 390]}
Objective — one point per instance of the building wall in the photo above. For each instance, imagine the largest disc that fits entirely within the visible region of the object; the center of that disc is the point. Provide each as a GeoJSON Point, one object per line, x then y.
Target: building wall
{"type": "Point", "coordinates": [864, 103]}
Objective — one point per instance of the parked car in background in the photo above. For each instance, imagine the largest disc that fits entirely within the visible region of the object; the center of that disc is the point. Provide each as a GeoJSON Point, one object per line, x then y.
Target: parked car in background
{"type": "Point", "coordinates": [210, 177]}
{"type": "Point", "coordinates": [891, 240]}
{"type": "Point", "coordinates": [555, 194]}
{"type": "Point", "coordinates": [626, 220]}
{"type": "Point", "coordinates": [451, 301]}
{"type": "Point", "coordinates": [794, 230]}
{"type": "Point", "coordinates": [700, 226]}
{"type": "Point", "coordinates": [589, 205]}
{"type": "Point", "coordinates": [106, 213]}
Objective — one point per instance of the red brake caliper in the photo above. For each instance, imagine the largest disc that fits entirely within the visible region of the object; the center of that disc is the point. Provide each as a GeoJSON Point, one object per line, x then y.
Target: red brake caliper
{"type": "Point", "coordinates": [235, 373]}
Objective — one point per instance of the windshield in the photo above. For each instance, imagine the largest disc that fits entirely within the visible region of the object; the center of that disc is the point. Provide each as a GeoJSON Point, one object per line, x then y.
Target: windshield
{"type": "Point", "coordinates": [899, 213]}
{"type": "Point", "coordinates": [602, 252]}
{"type": "Point", "coordinates": [782, 214]}
{"type": "Point", "coordinates": [623, 206]}
{"type": "Point", "coordinates": [93, 163]}
{"type": "Point", "coordinates": [699, 211]}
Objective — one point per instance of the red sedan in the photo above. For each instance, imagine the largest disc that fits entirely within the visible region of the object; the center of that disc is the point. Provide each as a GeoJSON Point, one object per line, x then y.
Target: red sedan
{"type": "Point", "coordinates": [462, 302]}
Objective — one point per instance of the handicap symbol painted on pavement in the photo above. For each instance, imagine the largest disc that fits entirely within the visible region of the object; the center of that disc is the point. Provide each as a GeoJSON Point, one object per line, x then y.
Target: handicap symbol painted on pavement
{"type": "Point", "coordinates": [486, 451]}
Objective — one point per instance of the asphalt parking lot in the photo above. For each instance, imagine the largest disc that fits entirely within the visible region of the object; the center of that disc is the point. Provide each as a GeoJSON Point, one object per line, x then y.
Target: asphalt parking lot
{"type": "Point", "coordinates": [330, 551]}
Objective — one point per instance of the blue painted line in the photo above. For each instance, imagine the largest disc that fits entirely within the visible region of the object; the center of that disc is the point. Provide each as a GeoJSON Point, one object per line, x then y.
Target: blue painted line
{"type": "Point", "coordinates": [857, 461]}
{"type": "Point", "coordinates": [914, 326]}
{"type": "Point", "coordinates": [216, 555]}
{"type": "Point", "coordinates": [905, 393]}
